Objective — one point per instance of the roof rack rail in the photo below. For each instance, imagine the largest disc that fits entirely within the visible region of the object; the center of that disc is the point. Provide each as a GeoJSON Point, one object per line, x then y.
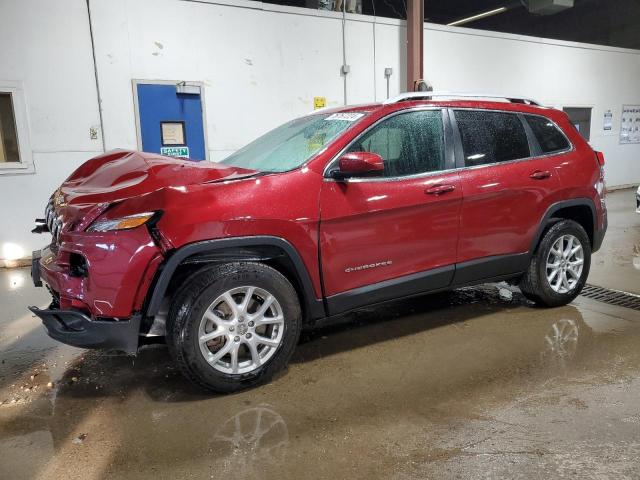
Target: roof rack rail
{"type": "Point", "coordinates": [429, 95]}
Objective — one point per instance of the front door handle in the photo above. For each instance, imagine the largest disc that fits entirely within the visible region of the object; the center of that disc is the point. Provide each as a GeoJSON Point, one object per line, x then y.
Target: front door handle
{"type": "Point", "coordinates": [439, 189]}
{"type": "Point", "coordinates": [540, 175]}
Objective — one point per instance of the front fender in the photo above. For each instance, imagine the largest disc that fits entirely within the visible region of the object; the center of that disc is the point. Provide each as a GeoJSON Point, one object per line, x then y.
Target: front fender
{"type": "Point", "coordinates": [314, 306]}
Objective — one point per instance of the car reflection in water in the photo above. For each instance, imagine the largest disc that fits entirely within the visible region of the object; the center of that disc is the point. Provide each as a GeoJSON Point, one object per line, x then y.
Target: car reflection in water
{"type": "Point", "coordinates": [251, 441]}
{"type": "Point", "coordinates": [561, 343]}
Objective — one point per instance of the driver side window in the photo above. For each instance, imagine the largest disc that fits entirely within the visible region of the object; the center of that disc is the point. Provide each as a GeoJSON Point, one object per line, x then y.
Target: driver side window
{"type": "Point", "coordinates": [409, 143]}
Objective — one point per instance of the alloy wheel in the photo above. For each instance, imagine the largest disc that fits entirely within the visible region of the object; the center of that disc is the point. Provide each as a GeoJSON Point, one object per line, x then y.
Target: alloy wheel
{"type": "Point", "coordinates": [241, 330]}
{"type": "Point", "coordinates": [564, 264]}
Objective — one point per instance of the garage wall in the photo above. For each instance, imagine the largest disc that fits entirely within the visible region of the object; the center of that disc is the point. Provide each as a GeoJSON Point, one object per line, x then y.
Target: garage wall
{"type": "Point", "coordinates": [560, 74]}
{"type": "Point", "coordinates": [45, 48]}
{"type": "Point", "coordinates": [260, 65]}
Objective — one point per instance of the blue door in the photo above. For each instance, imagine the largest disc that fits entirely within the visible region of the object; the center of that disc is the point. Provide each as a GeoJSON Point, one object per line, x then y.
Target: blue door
{"type": "Point", "coordinates": [171, 122]}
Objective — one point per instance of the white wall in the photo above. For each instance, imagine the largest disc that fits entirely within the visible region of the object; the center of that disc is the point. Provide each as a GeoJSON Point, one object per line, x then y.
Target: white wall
{"type": "Point", "coordinates": [259, 67]}
{"type": "Point", "coordinates": [262, 64]}
{"type": "Point", "coordinates": [45, 47]}
{"type": "Point", "coordinates": [560, 74]}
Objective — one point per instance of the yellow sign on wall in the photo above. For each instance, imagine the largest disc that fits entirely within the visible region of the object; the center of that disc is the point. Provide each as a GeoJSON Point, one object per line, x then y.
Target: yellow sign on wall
{"type": "Point", "coordinates": [319, 102]}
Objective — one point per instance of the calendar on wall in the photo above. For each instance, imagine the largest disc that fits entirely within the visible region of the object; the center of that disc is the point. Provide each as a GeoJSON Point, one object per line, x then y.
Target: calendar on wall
{"type": "Point", "coordinates": [630, 124]}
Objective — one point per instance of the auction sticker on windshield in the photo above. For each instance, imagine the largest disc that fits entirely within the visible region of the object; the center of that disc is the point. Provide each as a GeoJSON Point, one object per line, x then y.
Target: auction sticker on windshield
{"type": "Point", "coordinates": [349, 117]}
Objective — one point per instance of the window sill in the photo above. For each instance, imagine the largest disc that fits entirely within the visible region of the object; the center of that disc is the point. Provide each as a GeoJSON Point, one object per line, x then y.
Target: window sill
{"type": "Point", "coordinates": [15, 168]}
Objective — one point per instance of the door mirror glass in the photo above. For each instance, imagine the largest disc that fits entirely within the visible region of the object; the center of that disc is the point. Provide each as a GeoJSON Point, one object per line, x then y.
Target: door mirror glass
{"type": "Point", "coordinates": [359, 164]}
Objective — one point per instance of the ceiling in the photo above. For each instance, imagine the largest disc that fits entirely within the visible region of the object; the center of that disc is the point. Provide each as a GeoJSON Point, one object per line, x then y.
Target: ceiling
{"type": "Point", "coordinates": [604, 22]}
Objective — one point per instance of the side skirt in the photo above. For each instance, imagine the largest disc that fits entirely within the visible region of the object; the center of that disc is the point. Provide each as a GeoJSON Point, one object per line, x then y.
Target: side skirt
{"type": "Point", "coordinates": [489, 269]}
{"type": "Point", "coordinates": [478, 270]}
{"type": "Point", "coordinates": [390, 289]}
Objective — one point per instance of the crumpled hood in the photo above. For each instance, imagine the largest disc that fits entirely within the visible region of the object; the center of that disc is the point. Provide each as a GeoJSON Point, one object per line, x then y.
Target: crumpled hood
{"type": "Point", "coordinates": [121, 174]}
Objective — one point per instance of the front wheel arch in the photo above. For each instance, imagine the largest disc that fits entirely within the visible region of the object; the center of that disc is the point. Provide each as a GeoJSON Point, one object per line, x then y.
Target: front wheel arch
{"type": "Point", "coordinates": [257, 248]}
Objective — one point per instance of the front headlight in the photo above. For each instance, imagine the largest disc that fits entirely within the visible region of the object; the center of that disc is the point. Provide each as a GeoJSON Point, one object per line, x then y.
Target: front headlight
{"type": "Point", "coordinates": [123, 223]}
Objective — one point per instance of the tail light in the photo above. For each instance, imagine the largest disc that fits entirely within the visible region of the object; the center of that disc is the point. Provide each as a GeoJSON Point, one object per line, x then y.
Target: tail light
{"type": "Point", "coordinates": [601, 186]}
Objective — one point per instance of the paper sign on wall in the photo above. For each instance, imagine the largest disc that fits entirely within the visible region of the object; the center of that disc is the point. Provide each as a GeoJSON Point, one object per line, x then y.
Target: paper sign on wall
{"type": "Point", "coordinates": [607, 124]}
{"type": "Point", "coordinates": [319, 102]}
{"type": "Point", "coordinates": [172, 133]}
{"type": "Point", "coordinates": [630, 124]}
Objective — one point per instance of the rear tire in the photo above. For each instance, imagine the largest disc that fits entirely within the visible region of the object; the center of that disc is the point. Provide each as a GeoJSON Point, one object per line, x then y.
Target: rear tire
{"type": "Point", "coordinates": [559, 268]}
{"type": "Point", "coordinates": [233, 326]}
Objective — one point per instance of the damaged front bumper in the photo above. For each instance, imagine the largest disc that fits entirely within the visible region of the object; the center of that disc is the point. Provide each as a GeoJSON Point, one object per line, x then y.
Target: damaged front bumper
{"type": "Point", "coordinates": [77, 329]}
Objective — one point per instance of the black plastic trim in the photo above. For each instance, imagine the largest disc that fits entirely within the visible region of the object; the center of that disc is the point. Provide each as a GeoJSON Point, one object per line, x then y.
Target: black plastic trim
{"type": "Point", "coordinates": [490, 267]}
{"type": "Point", "coordinates": [77, 329]}
{"type": "Point", "coordinates": [576, 202]}
{"type": "Point", "coordinates": [449, 142]}
{"type": "Point", "coordinates": [457, 140]}
{"type": "Point", "coordinates": [598, 235]}
{"type": "Point", "coordinates": [315, 306]}
{"type": "Point", "coordinates": [36, 255]}
{"type": "Point", "coordinates": [534, 146]}
{"type": "Point", "coordinates": [405, 286]}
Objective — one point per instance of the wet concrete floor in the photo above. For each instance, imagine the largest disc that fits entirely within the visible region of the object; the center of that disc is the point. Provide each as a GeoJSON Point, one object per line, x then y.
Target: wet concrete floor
{"type": "Point", "coordinates": [475, 383]}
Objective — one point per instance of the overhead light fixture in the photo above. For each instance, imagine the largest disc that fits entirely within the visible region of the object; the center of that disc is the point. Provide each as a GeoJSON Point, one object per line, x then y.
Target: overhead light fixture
{"type": "Point", "coordinates": [478, 16]}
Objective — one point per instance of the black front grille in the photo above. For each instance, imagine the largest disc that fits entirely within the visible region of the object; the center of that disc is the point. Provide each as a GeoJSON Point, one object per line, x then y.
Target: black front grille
{"type": "Point", "coordinates": [53, 221]}
{"type": "Point", "coordinates": [612, 297]}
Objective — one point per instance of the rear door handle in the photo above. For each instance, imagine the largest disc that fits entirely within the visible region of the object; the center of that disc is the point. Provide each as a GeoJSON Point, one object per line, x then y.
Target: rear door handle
{"type": "Point", "coordinates": [440, 189]}
{"type": "Point", "coordinates": [540, 175]}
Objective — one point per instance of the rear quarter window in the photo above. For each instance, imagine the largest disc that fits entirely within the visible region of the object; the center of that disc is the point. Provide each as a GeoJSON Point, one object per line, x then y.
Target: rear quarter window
{"type": "Point", "coordinates": [548, 135]}
{"type": "Point", "coordinates": [491, 137]}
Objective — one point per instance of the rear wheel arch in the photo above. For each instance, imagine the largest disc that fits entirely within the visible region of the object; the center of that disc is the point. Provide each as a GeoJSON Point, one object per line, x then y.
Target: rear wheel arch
{"type": "Point", "coordinates": [580, 210]}
{"type": "Point", "coordinates": [275, 252]}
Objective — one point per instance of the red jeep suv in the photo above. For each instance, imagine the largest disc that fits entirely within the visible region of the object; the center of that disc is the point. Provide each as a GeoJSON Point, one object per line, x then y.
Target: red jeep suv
{"type": "Point", "coordinates": [327, 213]}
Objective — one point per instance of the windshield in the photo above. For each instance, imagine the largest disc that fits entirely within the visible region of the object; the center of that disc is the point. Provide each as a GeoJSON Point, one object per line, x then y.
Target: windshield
{"type": "Point", "coordinates": [292, 144]}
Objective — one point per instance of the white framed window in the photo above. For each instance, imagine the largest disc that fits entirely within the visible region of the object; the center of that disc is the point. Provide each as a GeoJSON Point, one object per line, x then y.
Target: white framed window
{"type": "Point", "coordinates": [15, 147]}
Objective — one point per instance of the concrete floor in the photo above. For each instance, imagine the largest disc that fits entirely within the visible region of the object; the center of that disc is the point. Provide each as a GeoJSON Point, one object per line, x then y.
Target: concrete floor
{"type": "Point", "coordinates": [471, 384]}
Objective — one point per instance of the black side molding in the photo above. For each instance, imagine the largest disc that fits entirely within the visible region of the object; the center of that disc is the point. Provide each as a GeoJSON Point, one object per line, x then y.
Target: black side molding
{"type": "Point", "coordinates": [478, 270]}
{"type": "Point", "coordinates": [576, 202]}
{"type": "Point", "coordinates": [405, 286]}
{"type": "Point", "coordinates": [314, 306]}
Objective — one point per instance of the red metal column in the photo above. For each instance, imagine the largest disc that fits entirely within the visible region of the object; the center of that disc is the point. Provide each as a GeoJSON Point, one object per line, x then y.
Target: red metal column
{"type": "Point", "coordinates": [415, 34]}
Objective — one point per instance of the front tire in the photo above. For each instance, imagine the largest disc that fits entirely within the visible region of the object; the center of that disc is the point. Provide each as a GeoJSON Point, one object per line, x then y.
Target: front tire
{"type": "Point", "coordinates": [559, 268]}
{"type": "Point", "coordinates": [233, 326]}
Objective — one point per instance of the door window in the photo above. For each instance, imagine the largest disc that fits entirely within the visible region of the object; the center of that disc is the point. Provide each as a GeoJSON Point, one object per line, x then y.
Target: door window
{"type": "Point", "coordinates": [548, 135]}
{"type": "Point", "coordinates": [491, 137]}
{"type": "Point", "coordinates": [409, 143]}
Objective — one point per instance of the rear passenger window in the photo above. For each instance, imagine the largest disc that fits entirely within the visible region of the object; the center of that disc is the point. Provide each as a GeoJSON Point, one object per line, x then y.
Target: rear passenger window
{"type": "Point", "coordinates": [491, 137]}
{"type": "Point", "coordinates": [548, 135]}
{"type": "Point", "coordinates": [409, 143]}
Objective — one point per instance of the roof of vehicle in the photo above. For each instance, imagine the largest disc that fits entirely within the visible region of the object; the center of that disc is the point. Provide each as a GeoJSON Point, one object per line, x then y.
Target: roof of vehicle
{"type": "Point", "coordinates": [446, 99]}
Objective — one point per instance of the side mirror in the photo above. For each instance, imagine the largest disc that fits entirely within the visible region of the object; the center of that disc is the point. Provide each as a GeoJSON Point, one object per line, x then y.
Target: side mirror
{"type": "Point", "coordinates": [358, 163]}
